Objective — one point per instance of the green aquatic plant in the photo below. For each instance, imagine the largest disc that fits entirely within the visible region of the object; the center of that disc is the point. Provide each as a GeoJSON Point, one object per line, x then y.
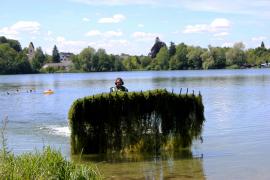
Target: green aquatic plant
{"type": "Point", "coordinates": [149, 121]}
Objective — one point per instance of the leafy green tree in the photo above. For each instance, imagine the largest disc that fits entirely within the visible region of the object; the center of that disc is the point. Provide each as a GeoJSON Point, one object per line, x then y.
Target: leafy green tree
{"type": "Point", "coordinates": [145, 61]}
{"type": "Point", "coordinates": [38, 60]}
{"type": "Point", "coordinates": [194, 57]}
{"type": "Point", "coordinates": [208, 60]}
{"type": "Point", "coordinates": [214, 58]}
{"type": "Point", "coordinates": [12, 43]}
{"type": "Point", "coordinates": [3, 40]}
{"type": "Point", "coordinates": [117, 63]}
{"type": "Point", "coordinates": [179, 60]}
{"type": "Point", "coordinates": [162, 58]}
{"type": "Point", "coordinates": [236, 55]}
{"type": "Point", "coordinates": [55, 55]}
{"type": "Point", "coordinates": [12, 62]}
{"type": "Point", "coordinates": [86, 59]}
{"type": "Point", "coordinates": [22, 65]}
{"type": "Point", "coordinates": [131, 63]}
{"type": "Point", "coordinates": [104, 63]}
{"type": "Point", "coordinates": [15, 45]}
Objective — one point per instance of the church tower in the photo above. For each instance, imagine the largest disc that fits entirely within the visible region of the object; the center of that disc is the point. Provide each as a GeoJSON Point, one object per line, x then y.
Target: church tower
{"type": "Point", "coordinates": [31, 51]}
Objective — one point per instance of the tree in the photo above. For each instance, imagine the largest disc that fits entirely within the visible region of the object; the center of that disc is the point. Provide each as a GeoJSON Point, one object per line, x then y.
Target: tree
{"type": "Point", "coordinates": [12, 62]}
{"type": "Point", "coordinates": [12, 43]}
{"type": "Point", "coordinates": [104, 63]}
{"type": "Point", "coordinates": [55, 55]}
{"type": "Point", "coordinates": [262, 45]}
{"type": "Point", "coordinates": [194, 57]}
{"type": "Point", "coordinates": [179, 60]}
{"type": "Point", "coordinates": [162, 58]}
{"type": "Point", "coordinates": [145, 61]}
{"type": "Point", "coordinates": [236, 55]}
{"type": "Point", "coordinates": [86, 59]}
{"type": "Point", "coordinates": [172, 49]}
{"type": "Point", "coordinates": [38, 60]}
{"type": "Point", "coordinates": [131, 63]}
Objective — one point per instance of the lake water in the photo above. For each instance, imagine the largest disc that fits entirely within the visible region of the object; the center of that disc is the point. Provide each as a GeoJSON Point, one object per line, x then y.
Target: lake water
{"type": "Point", "coordinates": [236, 132]}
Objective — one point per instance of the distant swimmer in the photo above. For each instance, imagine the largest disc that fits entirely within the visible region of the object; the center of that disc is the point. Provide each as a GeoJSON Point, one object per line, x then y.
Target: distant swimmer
{"type": "Point", "coordinates": [7, 93]}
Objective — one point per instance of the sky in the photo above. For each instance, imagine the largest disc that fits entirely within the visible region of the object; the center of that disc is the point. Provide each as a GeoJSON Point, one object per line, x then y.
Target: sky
{"type": "Point", "coordinates": [131, 26]}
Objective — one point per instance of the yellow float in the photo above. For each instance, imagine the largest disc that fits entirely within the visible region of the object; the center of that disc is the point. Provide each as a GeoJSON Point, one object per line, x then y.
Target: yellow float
{"type": "Point", "coordinates": [48, 91]}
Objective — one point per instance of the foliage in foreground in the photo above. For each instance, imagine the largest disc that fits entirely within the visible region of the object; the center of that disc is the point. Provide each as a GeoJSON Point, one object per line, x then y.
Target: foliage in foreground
{"type": "Point", "coordinates": [47, 164]}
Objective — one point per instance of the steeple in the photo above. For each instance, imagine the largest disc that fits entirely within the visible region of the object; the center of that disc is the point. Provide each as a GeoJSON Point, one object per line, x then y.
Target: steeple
{"type": "Point", "coordinates": [31, 51]}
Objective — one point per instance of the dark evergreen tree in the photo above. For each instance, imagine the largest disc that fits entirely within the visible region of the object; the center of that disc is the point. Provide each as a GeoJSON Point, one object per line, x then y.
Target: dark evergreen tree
{"type": "Point", "coordinates": [262, 45]}
{"type": "Point", "coordinates": [172, 49]}
{"type": "Point", "coordinates": [55, 55]}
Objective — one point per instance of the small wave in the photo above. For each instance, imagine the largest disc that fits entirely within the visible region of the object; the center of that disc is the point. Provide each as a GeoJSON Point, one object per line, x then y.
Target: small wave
{"type": "Point", "coordinates": [57, 130]}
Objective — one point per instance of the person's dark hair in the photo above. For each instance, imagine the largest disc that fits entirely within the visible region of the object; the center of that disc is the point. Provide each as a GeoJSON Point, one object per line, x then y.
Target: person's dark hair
{"type": "Point", "coordinates": [120, 79]}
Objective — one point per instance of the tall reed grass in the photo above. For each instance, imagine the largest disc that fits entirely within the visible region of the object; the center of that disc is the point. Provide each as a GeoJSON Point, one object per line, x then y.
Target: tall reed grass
{"type": "Point", "coordinates": [47, 164]}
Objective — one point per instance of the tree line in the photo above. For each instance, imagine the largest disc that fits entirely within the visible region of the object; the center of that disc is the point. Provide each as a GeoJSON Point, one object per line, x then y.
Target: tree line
{"type": "Point", "coordinates": [14, 59]}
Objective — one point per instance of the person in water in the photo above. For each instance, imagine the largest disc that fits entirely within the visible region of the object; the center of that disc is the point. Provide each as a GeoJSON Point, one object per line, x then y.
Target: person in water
{"type": "Point", "coordinates": [119, 86]}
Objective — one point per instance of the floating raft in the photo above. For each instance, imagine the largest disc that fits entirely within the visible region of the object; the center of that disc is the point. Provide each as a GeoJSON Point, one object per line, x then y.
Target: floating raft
{"type": "Point", "coordinates": [149, 121]}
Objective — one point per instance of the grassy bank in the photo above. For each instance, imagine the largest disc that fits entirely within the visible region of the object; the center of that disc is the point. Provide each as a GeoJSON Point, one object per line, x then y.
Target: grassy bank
{"type": "Point", "coordinates": [45, 164]}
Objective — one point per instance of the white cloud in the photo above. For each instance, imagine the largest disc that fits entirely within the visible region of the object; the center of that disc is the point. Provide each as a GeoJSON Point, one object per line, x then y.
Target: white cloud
{"type": "Point", "coordinates": [107, 34]}
{"type": "Point", "coordinates": [93, 33]}
{"type": "Point", "coordinates": [217, 25]}
{"type": "Point", "coordinates": [31, 27]}
{"type": "Point", "coordinates": [26, 26]}
{"type": "Point", "coordinates": [115, 19]}
{"type": "Point", "coordinates": [221, 34]}
{"type": "Point", "coordinates": [49, 33]}
{"type": "Point", "coordinates": [70, 45]}
{"type": "Point", "coordinates": [9, 33]}
{"type": "Point", "coordinates": [85, 19]}
{"type": "Point", "coordinates": [143, 36]}
{"type": "Point", "coordinates": [259, 38]}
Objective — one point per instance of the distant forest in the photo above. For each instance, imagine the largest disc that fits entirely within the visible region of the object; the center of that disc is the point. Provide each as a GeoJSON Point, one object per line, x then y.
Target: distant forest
{"type": "Point", "coordinates": [15, 60]}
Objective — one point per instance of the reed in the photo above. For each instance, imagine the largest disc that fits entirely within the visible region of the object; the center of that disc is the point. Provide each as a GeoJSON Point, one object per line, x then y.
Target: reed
{"type": "Point", "coordinates": [150, 121]}
{"type": "Point", "coordinates": [47, 164]}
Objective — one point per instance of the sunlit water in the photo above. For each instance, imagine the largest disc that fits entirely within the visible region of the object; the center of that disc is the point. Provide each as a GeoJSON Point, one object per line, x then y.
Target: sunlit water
{"type": "Point", "coordinates": [236, 132]}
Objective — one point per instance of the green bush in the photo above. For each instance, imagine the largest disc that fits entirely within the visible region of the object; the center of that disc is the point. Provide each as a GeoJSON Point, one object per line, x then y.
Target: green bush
{"type": "Point", "coordinates": [135, 122]}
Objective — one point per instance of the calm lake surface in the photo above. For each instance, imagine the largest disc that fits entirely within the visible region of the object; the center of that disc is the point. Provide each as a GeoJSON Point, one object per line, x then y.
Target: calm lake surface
{"type": "Point", "coordinates": [236, 132]}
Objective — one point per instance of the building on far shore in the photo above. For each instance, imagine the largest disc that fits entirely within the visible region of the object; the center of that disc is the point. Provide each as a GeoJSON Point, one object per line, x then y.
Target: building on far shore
{"type": "Point", "coordinates": [64, 64]}
{"type": "Point", "coordinates": [31, 51]}
{"type": "Point", "coordinates": [65, 56]}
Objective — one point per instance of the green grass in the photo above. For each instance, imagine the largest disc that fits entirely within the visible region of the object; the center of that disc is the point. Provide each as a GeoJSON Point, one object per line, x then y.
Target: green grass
{"type": "Point", "coordinates": [47, 164]}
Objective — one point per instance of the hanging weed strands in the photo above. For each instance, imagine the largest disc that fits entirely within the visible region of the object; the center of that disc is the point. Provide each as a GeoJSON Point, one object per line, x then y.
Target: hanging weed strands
{"type": "Point", "coordinates": [148, 121]}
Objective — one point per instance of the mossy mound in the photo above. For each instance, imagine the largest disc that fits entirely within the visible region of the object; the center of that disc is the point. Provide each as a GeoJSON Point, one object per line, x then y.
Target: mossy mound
{"type": "Point", "coordinates": [147, 121]}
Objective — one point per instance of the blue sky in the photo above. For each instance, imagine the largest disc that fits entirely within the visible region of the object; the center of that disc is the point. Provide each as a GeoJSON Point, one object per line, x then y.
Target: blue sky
{"type": "Point", "coordinates": [130, 26]}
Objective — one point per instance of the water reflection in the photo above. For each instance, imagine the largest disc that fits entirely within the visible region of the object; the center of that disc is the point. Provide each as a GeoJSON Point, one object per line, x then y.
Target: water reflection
{"type": "Point", "coordinates": [169, 165]}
